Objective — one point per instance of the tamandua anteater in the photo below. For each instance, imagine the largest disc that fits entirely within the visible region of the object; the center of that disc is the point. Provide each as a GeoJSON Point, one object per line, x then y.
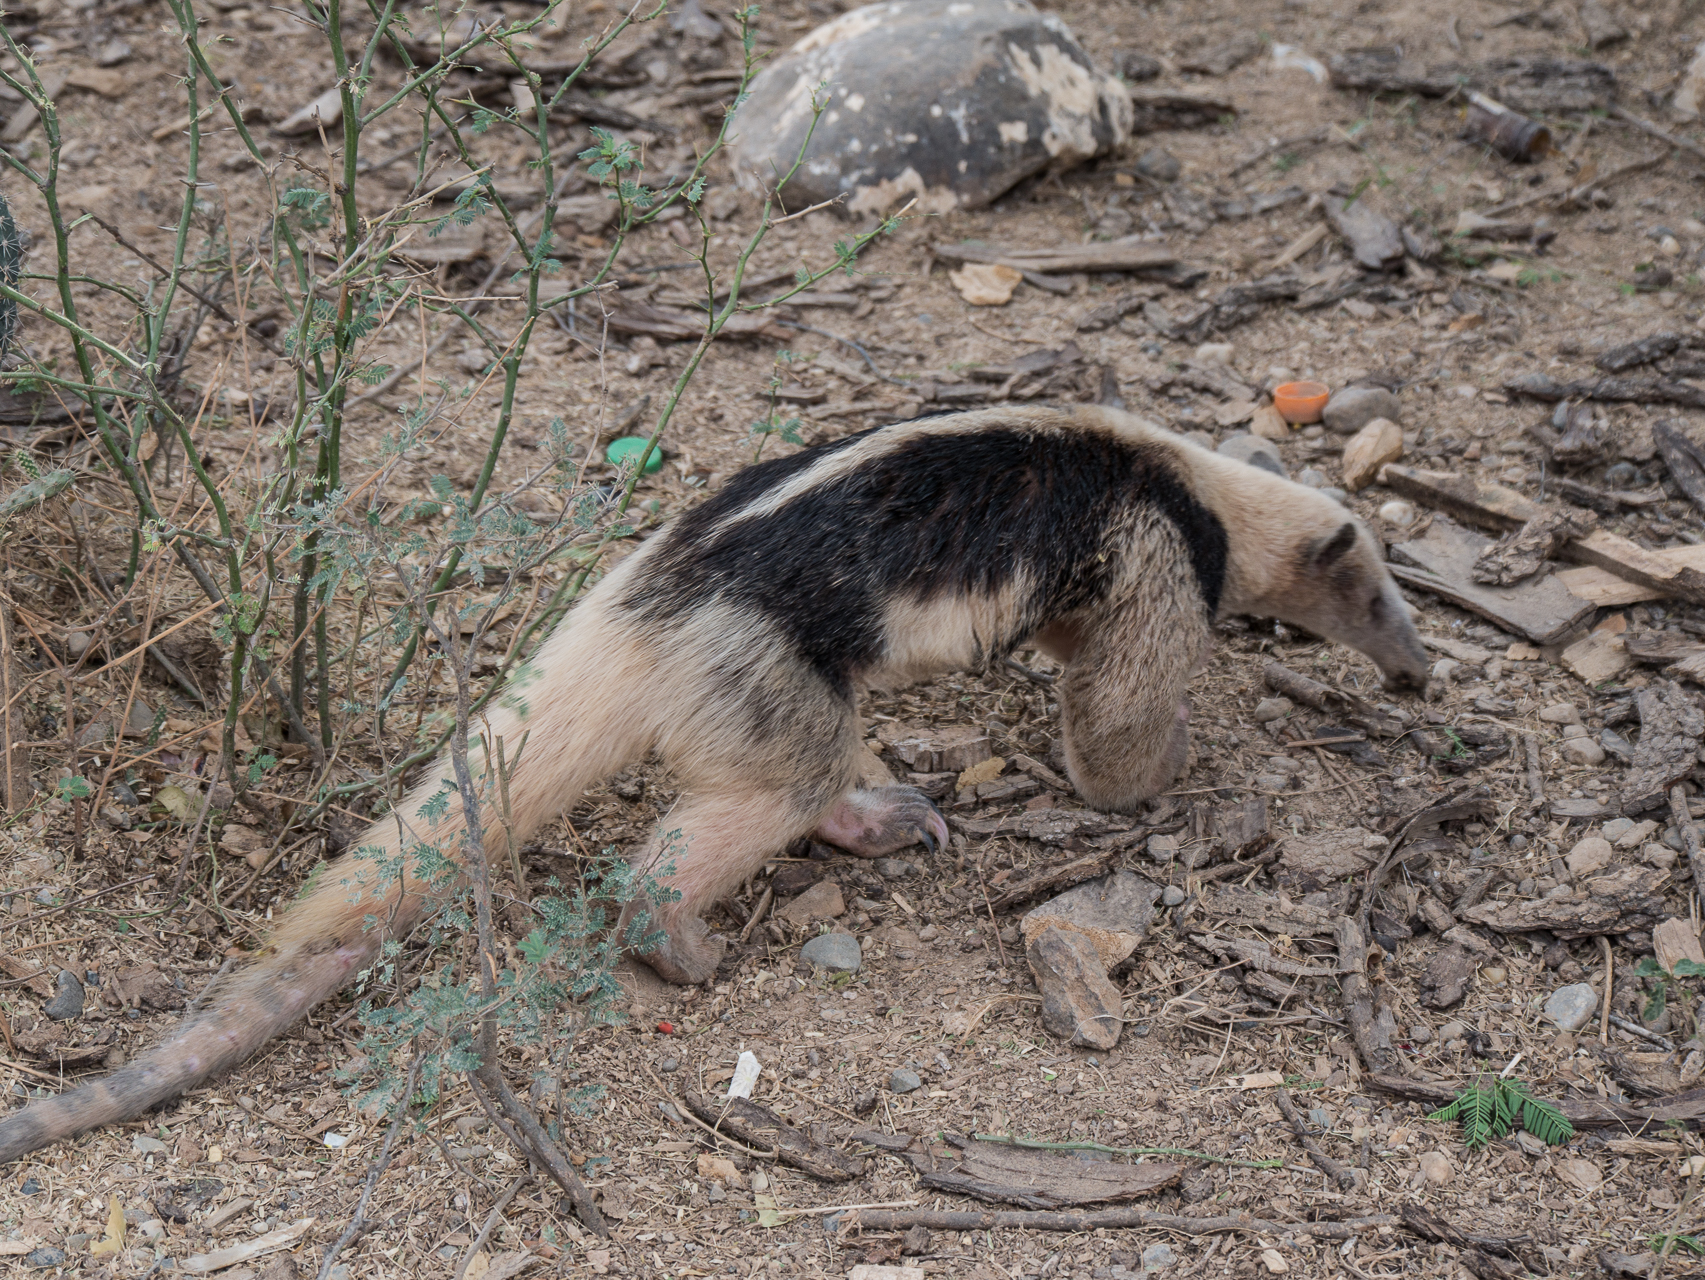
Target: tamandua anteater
{"type": "Point", "coordinates": [735, 644]}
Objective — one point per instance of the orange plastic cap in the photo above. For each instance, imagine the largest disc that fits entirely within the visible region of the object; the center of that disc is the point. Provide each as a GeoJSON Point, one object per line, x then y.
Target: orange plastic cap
{"type": "Point", "coordinates": [1300, 402]}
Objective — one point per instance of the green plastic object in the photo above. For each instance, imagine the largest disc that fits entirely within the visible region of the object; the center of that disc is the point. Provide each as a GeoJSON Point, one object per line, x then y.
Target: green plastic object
{"type": "Point", "coordinates": [621, 451]}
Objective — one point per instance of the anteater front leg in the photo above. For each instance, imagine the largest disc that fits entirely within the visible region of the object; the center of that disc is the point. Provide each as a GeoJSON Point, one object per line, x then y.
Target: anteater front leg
{"type": "Point", "coordinates": [875, 822]}
{"type": "Point", "coordinates": [1122, 700]}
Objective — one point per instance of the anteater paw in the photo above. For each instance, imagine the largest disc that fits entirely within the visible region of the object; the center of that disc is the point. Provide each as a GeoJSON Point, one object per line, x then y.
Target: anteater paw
{"type": "Point", "coordinates": [879, 821]}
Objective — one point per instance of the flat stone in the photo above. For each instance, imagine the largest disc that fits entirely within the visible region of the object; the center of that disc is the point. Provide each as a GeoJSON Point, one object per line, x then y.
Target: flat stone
{"type": "Point", "coordinates": [1377, 443]}
{"type": "Point", "coordinates": [1397, 512]}
{"type": "Point", "coordinates": [68, 1003]}
{"type": "Point", "coordinates": [895, 868]}
{"type": "Point", "coordinates": [1352, 408]}
{"type": "Point", "coordinates": [1171, 896]}
{"type": "Point", "coordinates": [1560, 713]}
{"type": "Point", "coordinates": [1159, 164]}
{"type": "Point", "coordinates": [836, 952]}
{"type": "Point", "coordinates": [1162, 849]}
{"type": "Point", "coordinates": [1253, 450]}
{"type": "Point", "coordinates": [1157, 1257]}
{"type": "Point", "coordinates": [44, 1257]}
{"type": "Point", "coordinates": [1570, 1007]}
{"type": "Point", "coordinates": [143, 1145]}
{"type": "Point", "coordinates": [1270, 709]}
{"type": "Point", "coordinates": [822, 901]}
{"type": "Point", "coordinates": [1079, 1003]}
{"type": "Point", "coordinates": [948, 101]}
{"type": "Point", "coordinates": [1113, 911]}
{"type": "Point", "coordinates": [904, 1081]}
{"type": "Point", "coordinates": [1588, 856]}
{"type": "Point", "coordinates": [1614, 829]}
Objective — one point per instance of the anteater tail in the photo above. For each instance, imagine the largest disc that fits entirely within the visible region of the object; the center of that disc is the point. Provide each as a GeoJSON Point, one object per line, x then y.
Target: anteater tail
{"type": "Point", "coordinates": [584, 717]}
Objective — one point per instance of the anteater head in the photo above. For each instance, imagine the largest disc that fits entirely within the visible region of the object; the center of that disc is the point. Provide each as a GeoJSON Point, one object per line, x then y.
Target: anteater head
{"type": "Point", "coordinates": [1338, 587]}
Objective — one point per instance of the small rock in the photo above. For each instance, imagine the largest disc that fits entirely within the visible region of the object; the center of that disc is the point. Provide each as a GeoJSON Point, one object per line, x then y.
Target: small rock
{"type": "Point", "coordinates": [1583, 751]}
{"type": "Point", "coordinates": [44, 1257]}
{"type": "Point", "coordinates": [929, 933]}
{"type": "Point", "coordinates": [1163, 849]}
{"type": "Point", "coordinates": [1312, 477]}
{"type": "Point", "coordinates": [1659, 856]}
{"type": "Point", "coordinates": [1452, 1030]}
{"type": "Point", "coordinates": [1269, 424]}
{"type": "Point", "coordinates": [1160, 164]}
{"type": "Point", "coordinates": [1220, 353]}
{"type": "Point", "coordinates": [1570, 1007]}
{"type": "Point", "coordinates": [1589, 855]}
{"type": "Point", "coordinates": [1157, 1257]}
{"type": "Point", "coordinates": [1444, 669]}
{"type": "Point", "coordinates": [1621, 475]}
{"type": "Point", "coordinates": [986, 284]}
{"type": "Point", "coordinates": [895, 868]}
{"type": "Point", "coordinates": [112, 52]}
{"type": "Point", "coordinates": [1253, 450]}
{"type": "Point", "coordinates": [1377, 443]}
{"type": "Point", "coordinates": [1397, 512]}
{"type": "Point", "coordinates": [1352, 408]}
{"type": "Point", "coordinates": [30, 1188]}
{"type": "Point", "coordinates": [1560, 713]}
{"type": "Point", "coordinates": [720, 1169]}
{"type": "Point", "coordinates": [836, 952]}
{"type": "Point", "coordinates": [143, 1145]}
{"type": "Point", "coordinates": [1079, 1003]}
{"type": "Point", "coordinates": [822, 901]}
{"type": "Point", "coordinates": [904, 1081]}
{"type": "Point", "coordinates": [1574, 731]}
{"type": "Point", "coordinates": [1270, 709]}
{"type": "Point", "coordinates": [1171, 896]}
{"type": "Point", "coordinates": [68, 1003]}
{"type": "Point", "coordinates": [1436, 1168]}
{"type": "Point", "coordinates": [915, 1243]}
{"type": "Point", "coordinates": [716, 1195]}
{"type": "Point", "coordinates": [1421, 1033]}
{"type": "Point", "coordinates": [1616, 827]}
{"type": "Point", "coordinates": [669, 1066]}
{"type": "Point", "coordinates": [1495, 975]}
{"type": "Point", "coordinates": [1113, 911]}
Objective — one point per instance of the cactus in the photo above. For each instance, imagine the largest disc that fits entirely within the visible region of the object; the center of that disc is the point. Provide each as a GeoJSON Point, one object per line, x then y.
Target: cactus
{"type": "Point", "coordinates": [11, 261]}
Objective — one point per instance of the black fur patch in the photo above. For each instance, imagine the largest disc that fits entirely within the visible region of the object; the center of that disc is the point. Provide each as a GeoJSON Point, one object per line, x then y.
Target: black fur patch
{"type": "Point", "coordinates": [940, 513]}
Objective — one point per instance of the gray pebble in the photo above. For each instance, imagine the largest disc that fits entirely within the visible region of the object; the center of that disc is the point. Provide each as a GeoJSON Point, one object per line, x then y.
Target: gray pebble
{"type": "Point", "coordinates": [837, 952]}
{"type": "Point", "coordinates": [1352, 408]}
{"type": "Point", "coordinates": [1270, 709]}
{"type": "Point", "coordinates": [1172, 895]}
{"type": "Point", "coordinates": [1313, 478]}
{"type": "Point", "coordinates": [123, 794]}
{"type": "Point", "coordinates": [1335, 493]}
{"type": "Point", "coordinates": [669, 1065]}
{"type": "Point", "coordinates": [1570, 1007]}
{"type": "Point", "coordinates": [1621, 475]}
{"type": "Point", "coordinates": [1158, 1256]}
{"type": "Point", "coordinates": [904, 1081]}
{"type": "Point", "coordinates": [46, 1256]}
{"type": "Point", "coordinates": [1421, 1033]}
{"type": "Point", "coordinates": [69, 1002]}
{"type": "Point", "coordinates": [1160, 164]}
{"type": "Point", "coordinates": [895, 868]}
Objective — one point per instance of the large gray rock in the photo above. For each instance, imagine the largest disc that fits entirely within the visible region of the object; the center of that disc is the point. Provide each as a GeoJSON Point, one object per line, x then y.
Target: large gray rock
{"type": "Point", "coordinates": [951, 101]}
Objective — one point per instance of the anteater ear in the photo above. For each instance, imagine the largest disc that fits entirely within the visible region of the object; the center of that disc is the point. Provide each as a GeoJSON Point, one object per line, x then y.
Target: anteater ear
{"type": "Point", "coordinates": [1333, 549]}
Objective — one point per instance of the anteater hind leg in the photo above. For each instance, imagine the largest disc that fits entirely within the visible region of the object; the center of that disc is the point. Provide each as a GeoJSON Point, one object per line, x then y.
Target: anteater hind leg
{"type": "Point", "coordinates": [1123, 706]}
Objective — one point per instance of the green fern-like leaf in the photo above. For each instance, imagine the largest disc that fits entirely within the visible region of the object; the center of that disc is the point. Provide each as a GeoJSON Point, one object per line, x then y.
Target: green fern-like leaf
{"type": "Point", "coordinates": [1488, 1110]}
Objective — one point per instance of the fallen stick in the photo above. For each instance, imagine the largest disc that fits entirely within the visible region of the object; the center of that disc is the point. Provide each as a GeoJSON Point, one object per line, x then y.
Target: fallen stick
{"type": "Point", "coordinates": [1345, 1179]}
{"type": "Point", "coordinates": [1535, 778]}
{"type": "Point", "coordinates": [1646, 126]}
{"type": "Point", "coordinates": [1052, 1220]}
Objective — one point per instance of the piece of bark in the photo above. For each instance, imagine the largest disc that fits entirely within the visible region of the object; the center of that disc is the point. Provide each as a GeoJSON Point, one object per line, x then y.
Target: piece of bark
{"type": "Point", "coordinates": [1633, 354]}
{"type": "Point", "coordinates": [1495, 507]}
{"type": "Point", "coordinates": [1109, 1219]}
{"type": "Point", "coordinates": [1617, 902]}
{"type": "Point", "coordinates": [1300, 688]}
{"type": "Point", "coordinates": [1691, 847]}
{"type": "Point", "coordinates": [32, 976]}
{"type": "Point", "coordinates": [1235, 305]}
{"type": "Point", "coordinates": [1442, 561]}
{"type": "Point", "coordinates": [1345, 1178]}
{"type": "Point", "coordinates": [1323, 857]}
{"type": "Point", "coordinates": [1685, 458]}
{"type": "Point", "coordinates": [1373, 239]}
{"type": "Point", "coordinates": [1429, 1226]}
{"type": "Point", "coordinates": [1268, 987]}
{"type": "Point", "coordinates": [1671, 725]}
{"type": "Point", "coordinates": [1611, 390]}
{"type": "Point", "coordinates": [1056, 877]}
{"type": "Point", "coordinates": [1372, 1023]}
{"type": "Point", "coordinates": [1607, 502]}
{"type": "Point", "coordinates": [1445, 979]}
{"type": "Point", "coordinates": [1527, 84]}
{"type": "Point", "coordinates": [1155, 110]}
{"type": "Point", "coordinates": [1005, 1173]}
{"type": "Point", "coordinates": [1239, 829]}
{"type": "Point", "coordinates": [757, 1126]}
{"type": "Point", "coordinates": [1220, 58]}
{"type": "Point", "coordinates": [1521, 554]}
{"type": "Point", "coordinates": [1596, 658]}
{"type": "Point", "coordinates": [1112, 255]}
{"type": "Point", "coordinates": [1469, 804]}
{"type": "Point", "coordinates": [1660, 648]}
{"type": "Point", "coordinates": [1111, 312]}
{"type": "Point", "coordinates": [1607, 589]}
{"type": "Point", "coordinates": [950, 750]}
{"type": "Point", "coordinates": [1080, 1004]}
{"type": "Point", "coordinates": [1269, 913]}
{"type": "Point", "coordinates": [1257, 953]}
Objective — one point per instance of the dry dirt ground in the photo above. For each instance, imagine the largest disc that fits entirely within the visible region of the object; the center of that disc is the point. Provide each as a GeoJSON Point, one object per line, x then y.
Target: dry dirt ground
{"type": "Point", "coordinates": [944, 990]}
